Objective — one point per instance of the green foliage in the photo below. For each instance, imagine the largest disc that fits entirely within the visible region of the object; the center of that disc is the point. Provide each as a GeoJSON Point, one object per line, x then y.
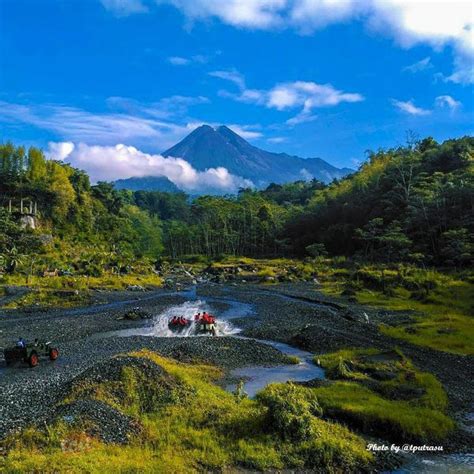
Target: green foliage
{"type": "Point", "coordinates": [410, 204]}
{"type": "Point", "coordinates": [73, 211]}
{"type": "Point", "coordinates": [297, 193]}
{"type": "Point", "coordinates": [207, 429]}
{"type": "Point", "coordinates": [291, 409]}
{"type": "Point", "coordinates": [316, 250]}
{"type": "Point", "coordinates": [385, 393]}
{"type": "Point", "coordinates": [406, 204]}
{"type": "Point", "coordinates": [399, 420]}
{"type": "Point", "coordinates": [403, 201]}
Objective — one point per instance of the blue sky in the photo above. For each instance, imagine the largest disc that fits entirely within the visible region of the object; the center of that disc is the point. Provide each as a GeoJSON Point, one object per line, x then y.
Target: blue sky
{"type": "Point", "coordinates": [320, 78]}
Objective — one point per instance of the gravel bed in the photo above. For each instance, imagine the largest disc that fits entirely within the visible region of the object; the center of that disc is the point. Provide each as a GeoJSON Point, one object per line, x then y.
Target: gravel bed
{"type": "Point", "coordinates": [99, 419]}
{"type": "Point", "coordinates": [62, 325]}
{"type": "Point", "coordinates": [283, 313]}
{"type": "Point", "coordinates": [29, 395]}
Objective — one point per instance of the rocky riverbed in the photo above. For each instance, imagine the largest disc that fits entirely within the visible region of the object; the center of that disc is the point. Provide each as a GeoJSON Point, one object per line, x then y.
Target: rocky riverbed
{"type": "Point", "coordinates": [292, 313]}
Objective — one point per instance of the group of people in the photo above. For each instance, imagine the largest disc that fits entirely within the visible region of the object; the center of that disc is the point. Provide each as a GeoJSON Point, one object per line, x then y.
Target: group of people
{"type": "Point", "coordinates": [205, 317]}
{"type": "Point", "coordinates": [179, 321]}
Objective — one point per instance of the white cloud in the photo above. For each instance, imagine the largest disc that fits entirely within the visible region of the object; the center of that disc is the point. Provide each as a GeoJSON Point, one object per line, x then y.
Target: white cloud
{"type": "Point", "coordinates": [463, 69]}
{"type": "Point", "coordinates": [410, 108]}
{"type": "Point", "coordinates": [308, 94]}
{"type": "Point", "coordinates": [306, 175]}
{"type": "Point", "coordinates": [179, 61]}
{"type": "Point", "coordinates": [277, 139]}
{"type": "Point", "coordinates": [108, 163]}
{"type": "Point", "coordinates": [419, 66]}
{"type": "Point", "coordinates": [240, 13]}
{"type": "Point", "coordinates": [60, 150]}
{"type": "Point", "coordinates": [140, 123]}
{"type": "Point", "coordinates": [309, 15]}
{"type": "Point", "coordinates": [167, 107]}
{"type": "Point", "coordinates": [409, 22]}
{"type": "Point", "coordinates": [232, 76]}
{"type": "Point", "coordinates": [448, 102]}
{"type": "Point", "coordinates": [288, 95]}
{"type": "Point", "coordinates": [125, 7]}
{"type": "Point", "coordinates": [302, 117]}
{"type": "Point", "coordinates": [244, 131]}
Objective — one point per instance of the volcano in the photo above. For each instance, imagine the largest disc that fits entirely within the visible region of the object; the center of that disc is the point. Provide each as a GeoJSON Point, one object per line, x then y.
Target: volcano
{"type": "Point", "coordinates": [213, 147]}
{"type": "Point", "coordinates": [209, 147]}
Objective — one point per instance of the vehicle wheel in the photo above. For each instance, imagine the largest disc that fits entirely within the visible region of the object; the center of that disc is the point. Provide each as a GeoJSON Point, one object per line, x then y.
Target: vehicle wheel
{"type": "Point", "coordinates": [53, 354]}
{"type": "Point", "coordinates": [33, 360]}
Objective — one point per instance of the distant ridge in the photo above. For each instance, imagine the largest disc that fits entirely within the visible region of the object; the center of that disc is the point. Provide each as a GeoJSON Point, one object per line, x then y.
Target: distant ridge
{"type": "Point", "coordinates": [208, 147]}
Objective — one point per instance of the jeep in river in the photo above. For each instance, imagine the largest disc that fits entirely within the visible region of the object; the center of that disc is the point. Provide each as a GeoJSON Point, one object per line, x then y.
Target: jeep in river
{"type": "Point", "coordinates": [30, 353]}
{"type": "Point", "coordinates": [205, 324]}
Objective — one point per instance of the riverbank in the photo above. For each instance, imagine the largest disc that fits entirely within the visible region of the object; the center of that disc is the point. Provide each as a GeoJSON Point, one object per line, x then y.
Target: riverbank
{"type": "Point", "coordinates": [293, 314]}
{"type": "Point", "coordinates": [426, 307]}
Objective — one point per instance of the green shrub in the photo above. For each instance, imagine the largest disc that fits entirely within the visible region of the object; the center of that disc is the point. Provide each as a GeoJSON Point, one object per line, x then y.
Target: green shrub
{"type": "Point", "coordinates": [192, 259]}
{"type": "Point", "coordinates": [209, 432]}
{"type": "Point", "coordinates": [292, 359]}
{"type": "Point", "coordinates": [291, 409]}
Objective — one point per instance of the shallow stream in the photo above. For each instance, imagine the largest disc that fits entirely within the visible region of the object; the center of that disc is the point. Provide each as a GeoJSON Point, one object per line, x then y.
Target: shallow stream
{"type": "Point", "coordinates": [255, 378]}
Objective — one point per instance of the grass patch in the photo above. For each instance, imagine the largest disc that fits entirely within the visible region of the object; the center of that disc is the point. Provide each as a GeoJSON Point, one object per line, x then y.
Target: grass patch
{"type": "Point", "coordinates": [370, 412]}
{"type": "Point", "coordinates": [384, 393]}
{"type": "Point", "coordinates": [295, 360]}
{"type": "Point", "coordinates": [441, 303]}
{"type": "Point", "coordinates": [207, 429]}
{"type": "Point", "coordinates": [67, 291]}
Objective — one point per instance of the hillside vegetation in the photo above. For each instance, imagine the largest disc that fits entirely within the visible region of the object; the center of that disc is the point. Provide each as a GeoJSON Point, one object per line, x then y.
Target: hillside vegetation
{"type": "Point", "coordinates": [412, 203]}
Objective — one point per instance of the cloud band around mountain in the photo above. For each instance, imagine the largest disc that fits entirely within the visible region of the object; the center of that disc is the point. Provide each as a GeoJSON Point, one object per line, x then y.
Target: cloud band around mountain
{"type": "Point", "coordinates": [109, 163]}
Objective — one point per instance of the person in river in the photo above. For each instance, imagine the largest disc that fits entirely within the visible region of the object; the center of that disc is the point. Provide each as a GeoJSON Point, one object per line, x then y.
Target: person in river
{"type": "Point", "coordinates": [197, 317]}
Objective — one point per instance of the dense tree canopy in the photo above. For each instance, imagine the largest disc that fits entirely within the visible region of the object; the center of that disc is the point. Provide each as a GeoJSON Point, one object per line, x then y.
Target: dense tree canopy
{"type": "Point", "coordinates": [70, 208]}
{"type": "Point", "coordinates": [410, 203]}
{"type": "Point", "coordinates": [414, 196]}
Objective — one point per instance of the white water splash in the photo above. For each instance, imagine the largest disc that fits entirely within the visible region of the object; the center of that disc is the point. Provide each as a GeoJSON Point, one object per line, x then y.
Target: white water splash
{"type": "Point", "coordinates": [188, 309]}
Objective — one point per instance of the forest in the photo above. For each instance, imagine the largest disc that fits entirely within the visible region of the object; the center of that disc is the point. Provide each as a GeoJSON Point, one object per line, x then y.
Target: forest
{"type": "Point", "coordinates": [413, 203]}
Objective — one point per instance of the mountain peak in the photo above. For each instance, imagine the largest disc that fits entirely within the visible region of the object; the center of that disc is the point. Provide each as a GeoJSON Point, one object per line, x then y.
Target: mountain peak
{"type": "Point", "coordinates": [204, 128]}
